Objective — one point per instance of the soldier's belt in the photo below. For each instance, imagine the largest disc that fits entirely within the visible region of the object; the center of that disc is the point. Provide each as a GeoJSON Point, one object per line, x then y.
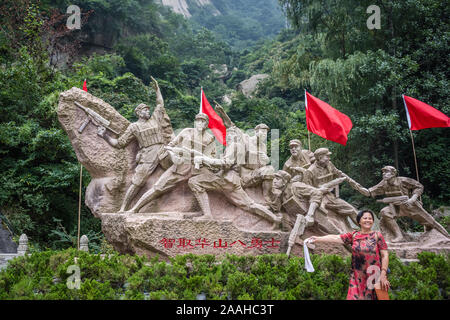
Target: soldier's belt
{"type": "Point", "coordinates": [150, 145]}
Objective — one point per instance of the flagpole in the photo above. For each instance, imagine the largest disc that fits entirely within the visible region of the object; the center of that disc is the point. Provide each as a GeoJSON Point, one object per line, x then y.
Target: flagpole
{"type": "Point", "coordinates": [412, 137]}
{"type": "Point", "coordinates": [414, 152]}
{"type": "Point", "coordinates": [201, 98]}
{"type": "Point", "coordinates": [79, 207]}
{"type": "Point", "coordinates": [412, 140]}
{"type": "Point", "coordinates": [306, 107]}
{"type": "Point", "coordinates": [79, 193]}
{"type": "Point", "coordinates": [309, 141]}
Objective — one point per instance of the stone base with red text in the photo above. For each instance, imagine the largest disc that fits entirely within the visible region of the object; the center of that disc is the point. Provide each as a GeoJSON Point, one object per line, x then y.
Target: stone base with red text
{"type": "Point", "coordinates": [169, 234]}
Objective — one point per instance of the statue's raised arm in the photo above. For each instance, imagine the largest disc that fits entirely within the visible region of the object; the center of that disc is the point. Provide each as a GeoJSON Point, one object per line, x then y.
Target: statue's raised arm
{"type": "Point", "coordinates": [160, 114]}
{"type": "Point", "coordinates": [221, 112]}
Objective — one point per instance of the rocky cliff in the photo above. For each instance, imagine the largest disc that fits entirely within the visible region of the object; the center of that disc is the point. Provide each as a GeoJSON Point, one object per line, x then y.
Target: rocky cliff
{"type": "Point", "coordinates": [182, 6]}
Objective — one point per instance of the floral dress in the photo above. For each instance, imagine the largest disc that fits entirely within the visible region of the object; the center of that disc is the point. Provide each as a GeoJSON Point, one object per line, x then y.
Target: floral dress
{"type": "Point", "coordinates": [365, 253]}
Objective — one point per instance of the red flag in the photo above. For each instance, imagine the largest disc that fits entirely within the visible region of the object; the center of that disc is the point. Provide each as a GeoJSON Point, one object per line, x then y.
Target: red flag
{"type": "Point", "coordinates": [325, 121]}
{"type": "Point", "coordinates": [422, 116]}
{"type": "Point", "coordinates": [84, 85]}
{"type": "Point", "coordinates": [215, 122]}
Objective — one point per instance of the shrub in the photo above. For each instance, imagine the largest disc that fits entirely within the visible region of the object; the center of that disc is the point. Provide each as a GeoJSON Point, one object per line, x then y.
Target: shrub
{"type": "Point", "coordinates": [44, 275]}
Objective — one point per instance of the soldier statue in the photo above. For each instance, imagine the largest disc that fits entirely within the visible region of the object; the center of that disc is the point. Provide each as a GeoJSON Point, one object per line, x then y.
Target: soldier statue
{"type": "Point", "coordinates": [224, 177]}
{"type": "Point", "coordinates": [151, 133]}
{"type": "Point", "coordinates": [256, 169]}
{"type": "Point", "coordinates": [279, 183]}
{"type": "Point", "coordinates": [310, 194]}
{"type": "Point", "coordinates": [188, 143]}
{"type": "Point", "coordinates": [324, 175]}
{"type": "Point", "coordinates": [299, 158]}
{"type": "Point", "coordinates": [402, 194]}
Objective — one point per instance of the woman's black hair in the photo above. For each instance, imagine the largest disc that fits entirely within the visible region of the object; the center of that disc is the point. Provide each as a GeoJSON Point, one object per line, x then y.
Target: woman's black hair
{"type": "Point", "coordinates": [361, 213]}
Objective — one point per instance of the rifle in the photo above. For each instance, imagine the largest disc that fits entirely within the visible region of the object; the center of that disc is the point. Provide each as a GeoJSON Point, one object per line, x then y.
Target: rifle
{"type": "Point", "coordinates": [394, 200]}
{"type": "Point", "coordinates": [333, 183]}
{"type": "Point", "coordinates": [184, 150]}
{"type": "Point", "coordinates": [299, 228]}
{"type": "Point", "coordinates": [295, 230]}
{"type": "Point", "coordinates": [95, 118]}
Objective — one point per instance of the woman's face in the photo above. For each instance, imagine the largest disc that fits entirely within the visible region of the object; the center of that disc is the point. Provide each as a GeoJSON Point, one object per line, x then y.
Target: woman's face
{"type": "Point", "coordinates": [366, 221]}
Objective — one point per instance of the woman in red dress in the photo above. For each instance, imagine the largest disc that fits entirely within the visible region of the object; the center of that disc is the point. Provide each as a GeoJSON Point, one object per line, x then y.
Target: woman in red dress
{"type": "Point", "coordinates": [369, 256]}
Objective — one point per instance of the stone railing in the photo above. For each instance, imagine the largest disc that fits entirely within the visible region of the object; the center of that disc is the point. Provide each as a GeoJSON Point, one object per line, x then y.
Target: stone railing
{"type": "Point", "coordinates": [23, 248]}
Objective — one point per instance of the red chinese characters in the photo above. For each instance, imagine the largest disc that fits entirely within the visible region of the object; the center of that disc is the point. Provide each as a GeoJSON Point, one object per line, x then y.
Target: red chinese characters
{"type": "Point", "coordinates": [219, 244]}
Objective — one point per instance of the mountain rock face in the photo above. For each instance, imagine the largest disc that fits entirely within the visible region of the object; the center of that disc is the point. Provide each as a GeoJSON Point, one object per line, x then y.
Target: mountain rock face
{"type": "Point", "coordinates": [182, 6]}
{"type": "Point", "coordinates": [249, 86]}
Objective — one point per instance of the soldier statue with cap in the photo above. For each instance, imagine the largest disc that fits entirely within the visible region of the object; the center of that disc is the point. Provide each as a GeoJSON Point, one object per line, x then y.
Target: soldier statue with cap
{"type": "Point", "coordinates": [256, 169]}
{"type": "Point", "coordinates": [223, 176]}
{"type": "Point", "coordinates": [277, 195]}
{"type": "Point", "coordinates": [299, 160]}
{"type": "Point", "coordinates": [324, 175]}
{"type": "Point", "coordinates": [190, 142]}
{"type": "Point", "coordinates": [402, 196]}
{"type": "Point", "coordinates": [152, 133]}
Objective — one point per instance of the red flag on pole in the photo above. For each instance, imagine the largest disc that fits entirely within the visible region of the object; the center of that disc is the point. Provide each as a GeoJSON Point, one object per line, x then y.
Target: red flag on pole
{"type": "Point", "coordinates": [84, 85]}
{"type": "Point", "coordinates": [325, 121]}
{"type": "Point", "coordinates": [422, 116]}
{"type": "Point", "coordinates": [215, 122]}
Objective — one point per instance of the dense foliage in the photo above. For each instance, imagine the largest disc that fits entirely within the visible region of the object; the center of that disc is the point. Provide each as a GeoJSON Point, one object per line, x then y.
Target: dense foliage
{"type": "Point", "coordinates": [240, 23]}
{"type": "Point", "coordinates": [363, 73]}
{"type": "Point", "coordinates": [44, 275]}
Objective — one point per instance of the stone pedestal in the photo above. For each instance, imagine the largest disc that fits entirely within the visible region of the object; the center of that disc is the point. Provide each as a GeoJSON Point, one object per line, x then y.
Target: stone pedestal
{"type": "Point", "coordinates": [169, 234]}
{"type": "Point", "coordinates": [431, 241]}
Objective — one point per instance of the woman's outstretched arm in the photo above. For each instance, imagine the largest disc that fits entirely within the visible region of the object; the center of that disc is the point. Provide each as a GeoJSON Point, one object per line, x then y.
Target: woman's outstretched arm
{"type": "Point", "coordinates": [333, 238]}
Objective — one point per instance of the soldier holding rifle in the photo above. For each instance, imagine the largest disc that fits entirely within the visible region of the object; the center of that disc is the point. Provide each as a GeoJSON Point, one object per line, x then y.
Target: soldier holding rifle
{"type": "Point", "coordinates": [402, 195]}
{"type": "Point", "coordinates": [324, 175]}
{"type": "Point", "coordinates": [227, 180]}
{"type": "Point", "coordinates": [189, 143]}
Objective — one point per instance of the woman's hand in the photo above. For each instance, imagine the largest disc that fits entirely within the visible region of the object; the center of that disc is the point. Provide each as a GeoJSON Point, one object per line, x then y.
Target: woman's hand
{"type": "Point", "coordinates": [385, 285]}
{"type": "Point", "coordinates": [311, 239]}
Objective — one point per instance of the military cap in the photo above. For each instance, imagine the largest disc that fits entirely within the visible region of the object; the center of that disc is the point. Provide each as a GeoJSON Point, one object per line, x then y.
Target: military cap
{"type": "Point", "coordinates": [320, 152]}
{"type": "Point", "coordinates": [262, 126]}
{"type": "Point", "coordinates": [233, 129]}
{"type": "Point", "coordinates": [283, 175]}
{"type": "Point", "coordinates": [141, 107]}
{"type": "Point", "coordinates": [202, 116]}
{"type": "Point", "coordinates": [295, 142]}
{"type": "Point", "coordinates": [389, 168]}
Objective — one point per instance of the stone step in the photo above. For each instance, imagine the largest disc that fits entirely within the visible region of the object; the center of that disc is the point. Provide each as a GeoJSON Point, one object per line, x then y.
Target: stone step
{"type": "Point", "coordinates": [408, 261]}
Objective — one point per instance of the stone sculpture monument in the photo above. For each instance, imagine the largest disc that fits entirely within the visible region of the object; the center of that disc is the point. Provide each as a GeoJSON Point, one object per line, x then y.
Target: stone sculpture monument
{"type": "Point", "coordinates": [227, 180]}
{"type": "Point", "coordinates": [190, 142]}
{"type": "Point", "coordinates": [157, 193]}
{"type": "Point", "coordinates": [401, 194]}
